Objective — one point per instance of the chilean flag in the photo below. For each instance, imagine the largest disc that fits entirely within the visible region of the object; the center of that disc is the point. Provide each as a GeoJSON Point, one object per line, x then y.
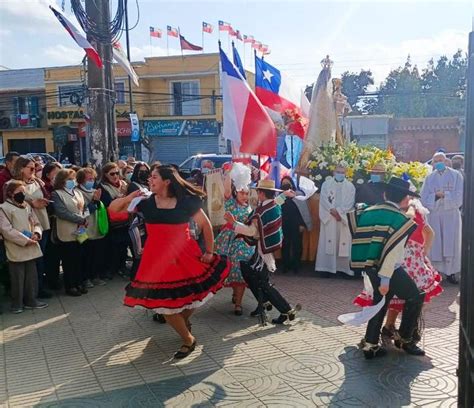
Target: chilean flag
{"type": "Point", "coordinates": [246, 122]}
{"type": "Point", "coordinates": [80, 40]}
{"type": "Point", "coordinates": [277, 92]}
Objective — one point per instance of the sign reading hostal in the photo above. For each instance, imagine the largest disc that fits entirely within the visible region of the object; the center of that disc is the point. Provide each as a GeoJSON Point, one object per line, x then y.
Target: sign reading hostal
{"type": "Point", "coordinates": [72, 114]}
{"type": "Point", "coordinates": [195, 127]}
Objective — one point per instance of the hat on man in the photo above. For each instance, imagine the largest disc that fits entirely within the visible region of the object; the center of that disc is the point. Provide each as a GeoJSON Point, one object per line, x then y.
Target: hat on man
{"type": "Point", "coordinates": [378, 168]}
{"type": "Point", "coordinates": [401, 186]}
{"type": "Point", "coordinates": [266, 185]}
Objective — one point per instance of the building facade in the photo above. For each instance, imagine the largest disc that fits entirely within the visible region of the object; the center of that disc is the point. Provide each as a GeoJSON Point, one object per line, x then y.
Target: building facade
{"type": "Point", "coordinates": [178, 104]}
{"type": "Point", "coordinates": [23, 124]}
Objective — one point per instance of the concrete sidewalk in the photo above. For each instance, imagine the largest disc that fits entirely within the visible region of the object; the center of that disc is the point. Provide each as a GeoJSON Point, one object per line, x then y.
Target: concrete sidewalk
{"type": "Point", "coordinates": [93, 352]}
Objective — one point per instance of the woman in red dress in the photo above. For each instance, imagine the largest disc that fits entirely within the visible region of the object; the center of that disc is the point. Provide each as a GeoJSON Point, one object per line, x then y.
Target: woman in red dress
{"type": "Point", "coordinates": [174, 276]}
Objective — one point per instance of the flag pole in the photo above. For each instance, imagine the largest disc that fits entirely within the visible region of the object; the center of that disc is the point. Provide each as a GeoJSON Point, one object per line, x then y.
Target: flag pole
{"type": "Point", "coordinates": [167, 43]}
{"type": "Point", "coordinates": [179, 36]}
{"type": "Point", "coordinates": [202, 40]}
{"type": "Point", "coordinates": [151, 48]}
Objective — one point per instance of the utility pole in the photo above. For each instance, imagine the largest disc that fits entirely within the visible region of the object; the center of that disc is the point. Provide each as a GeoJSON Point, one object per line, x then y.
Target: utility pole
{"type": "Point", "coordinates": [136, 145]}
{"type": "Point", "coordinates": [102, 143]}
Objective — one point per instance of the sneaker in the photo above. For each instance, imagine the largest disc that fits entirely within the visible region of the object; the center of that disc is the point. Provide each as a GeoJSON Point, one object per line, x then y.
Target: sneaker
{"type": "Point", "coordinates": [17, 310]}
{"type": "Point", "coordinates": [73, 292]}
{"type": "Point", "coordinates": [99, 282]}
{"type": "Point", "coordinates": [88, 284]}
{"type": "Point", "coordinates": [38, 305]}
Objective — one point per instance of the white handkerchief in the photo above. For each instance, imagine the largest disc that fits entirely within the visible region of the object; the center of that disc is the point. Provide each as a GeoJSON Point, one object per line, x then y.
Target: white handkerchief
{"type": "Point", "coordinates": [136, 200]}
{"type": "Point", "coordinates": [307, 187]}
{"type": "Point", "coordinates": [359, 318]}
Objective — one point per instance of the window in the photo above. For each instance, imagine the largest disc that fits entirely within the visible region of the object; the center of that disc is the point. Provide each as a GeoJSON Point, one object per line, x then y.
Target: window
{"type": "Point", "coordinates": [66, 91]}
{"type": "Point", "coordinates": [26, 105]}
{"type": "Point", "coordinates": [186, 98]}
{"type": "Point", "coordinates": [119, 93]}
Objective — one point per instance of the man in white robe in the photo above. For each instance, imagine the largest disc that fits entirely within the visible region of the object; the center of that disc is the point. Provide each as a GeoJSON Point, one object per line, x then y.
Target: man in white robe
{"type": "Point", "coordinates": [336, 200]}
{"type": "Point", "coordinates": [442, 195]}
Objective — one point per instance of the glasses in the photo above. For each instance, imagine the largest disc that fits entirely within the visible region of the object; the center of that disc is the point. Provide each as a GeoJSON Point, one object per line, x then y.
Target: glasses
{"type": "Point", "coordinates": [114, 173]}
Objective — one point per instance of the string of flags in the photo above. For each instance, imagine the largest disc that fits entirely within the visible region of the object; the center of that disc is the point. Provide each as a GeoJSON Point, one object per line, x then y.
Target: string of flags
{"type": "Point", "coordinates": [208, 28]}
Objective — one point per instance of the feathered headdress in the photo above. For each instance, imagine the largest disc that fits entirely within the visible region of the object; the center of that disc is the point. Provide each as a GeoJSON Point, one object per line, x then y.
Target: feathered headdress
{"type": "Point", "coordinates": [241, 176]}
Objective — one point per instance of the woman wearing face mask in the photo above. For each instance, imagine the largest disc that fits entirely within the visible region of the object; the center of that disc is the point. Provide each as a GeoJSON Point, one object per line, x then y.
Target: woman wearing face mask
{"type": "Point", "coordinates": [37, 198]}
{"type": "Point", "coordinates": [93, 249]}
{"type": "Point", "coordinates": [227, 243]}
{"type": "Point", "coordinates": [52, 258]}
{"type": "Point", "coordinates": [71, 217]}
{"type": "Point", "coordinates": [293, 225]}
{"type": "Point", "coordinates": [117, 240]}
{"type": "Point", "coordinates": [21, 232]}
{"type": "Point", "coordinates": [139, 179]}
{"type": "Point", "coordinates": [127, 173]}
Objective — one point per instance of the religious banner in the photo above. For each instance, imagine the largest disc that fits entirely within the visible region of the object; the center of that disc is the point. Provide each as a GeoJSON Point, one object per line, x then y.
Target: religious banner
{"type": "Point", "coordinates": [135, 127]}
{"type": "Point", "coordinates": [215, 197]}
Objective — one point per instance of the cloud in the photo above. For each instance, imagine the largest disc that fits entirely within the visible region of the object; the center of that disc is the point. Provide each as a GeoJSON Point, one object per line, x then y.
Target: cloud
{"type": "Point", "coordinates": [31, 15]}
{"type": "Point", "coordinates": [62, 55]}
{"type": "Point", "coordinates": [379, 57]}
{"type": "Point", "coordinates": [139, 53]}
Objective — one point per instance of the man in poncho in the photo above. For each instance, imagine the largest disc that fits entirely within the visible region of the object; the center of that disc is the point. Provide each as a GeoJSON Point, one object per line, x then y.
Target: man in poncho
{"type": "Point", "coordinates": [379, 234]}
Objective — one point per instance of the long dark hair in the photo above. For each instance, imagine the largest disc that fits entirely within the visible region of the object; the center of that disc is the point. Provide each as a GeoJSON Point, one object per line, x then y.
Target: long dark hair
{"type": "Point", "coordinates": [136, 170]}
{"type": "Point", "coordinates": [178, 186]}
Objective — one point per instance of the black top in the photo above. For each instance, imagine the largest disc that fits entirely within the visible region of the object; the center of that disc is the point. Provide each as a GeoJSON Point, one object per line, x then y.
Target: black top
{"type": "Point", "coordinates": [291, 216]}
{"type": "Point", "coordinates": [184, 210]}
{"type": "Point", "coordinates": [134, 186]}
{"type": "Point", "coordinates": [370, 193]}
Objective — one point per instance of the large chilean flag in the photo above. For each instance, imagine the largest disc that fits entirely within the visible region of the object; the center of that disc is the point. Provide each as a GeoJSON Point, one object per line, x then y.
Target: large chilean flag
{"type": "Point", "coordinates": [277, 91]}
{"type": "Point", "coordinates": [246, 122]}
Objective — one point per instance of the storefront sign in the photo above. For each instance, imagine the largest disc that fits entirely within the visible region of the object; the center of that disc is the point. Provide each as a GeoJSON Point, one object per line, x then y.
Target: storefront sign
{"type": "Point", "coordinates": [195, 127]}
{"type": "Point", "coordinates": [72, 114]}
{"type": "Point", "coordinates": [135, 127]}
{"type": "Point", "coordinates": [124, 129]}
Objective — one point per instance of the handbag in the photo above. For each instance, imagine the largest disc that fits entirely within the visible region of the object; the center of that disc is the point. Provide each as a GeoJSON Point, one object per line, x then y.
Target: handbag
{"type": "Point", "coordinates": [102, 219]}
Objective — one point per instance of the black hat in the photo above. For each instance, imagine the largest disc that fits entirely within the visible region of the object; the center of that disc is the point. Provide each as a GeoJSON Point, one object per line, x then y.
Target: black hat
{"type": "Point", "coordinates": [401, 186]}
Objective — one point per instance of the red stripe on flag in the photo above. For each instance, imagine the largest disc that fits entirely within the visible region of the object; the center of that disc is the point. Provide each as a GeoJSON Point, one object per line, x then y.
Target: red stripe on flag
{"type": "Point", "coordinates": [258, 131]}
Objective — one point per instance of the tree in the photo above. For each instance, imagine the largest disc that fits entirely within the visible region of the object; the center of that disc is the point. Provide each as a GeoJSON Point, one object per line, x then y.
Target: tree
{"type": "Point", "coordinates": [401, 94]}
{"type": "Point", "coordinates": [445, 86]}
{"type": "Point", "coordinates": [354, 85]}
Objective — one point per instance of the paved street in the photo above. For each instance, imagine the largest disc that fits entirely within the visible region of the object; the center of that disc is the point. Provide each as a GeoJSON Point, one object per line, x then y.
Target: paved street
{"type": "Point", "coordinates": [93, 352]}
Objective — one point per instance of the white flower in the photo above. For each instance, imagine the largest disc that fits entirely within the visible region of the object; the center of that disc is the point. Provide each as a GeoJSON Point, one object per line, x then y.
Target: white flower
{"type": "Point", "coordinates": [360, 181]}
{"type": "Point", "coordinates": [323, 165]}
{"type": "Point", "coordinates": [318, 177]}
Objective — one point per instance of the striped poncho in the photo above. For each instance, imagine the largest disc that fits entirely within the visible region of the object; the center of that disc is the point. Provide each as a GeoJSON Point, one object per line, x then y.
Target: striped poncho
{"type": "Point", "coordinates": [268, 217]}
{"type": "Point", "coordinates": [375, 232]}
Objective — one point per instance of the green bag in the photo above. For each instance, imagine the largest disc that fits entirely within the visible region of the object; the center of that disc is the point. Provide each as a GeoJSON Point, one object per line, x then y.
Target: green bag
{"type": "Point", "coordinates": [102, 219]}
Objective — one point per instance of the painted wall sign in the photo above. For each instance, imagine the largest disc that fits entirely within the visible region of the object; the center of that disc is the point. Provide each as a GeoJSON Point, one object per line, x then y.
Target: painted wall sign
{"type": "Point", "coordinates": [195, 127]}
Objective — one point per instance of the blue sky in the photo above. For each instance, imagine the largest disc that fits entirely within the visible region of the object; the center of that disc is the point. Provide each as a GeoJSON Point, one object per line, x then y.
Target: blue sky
{"type": "Point", "coordinates": [376, 35]}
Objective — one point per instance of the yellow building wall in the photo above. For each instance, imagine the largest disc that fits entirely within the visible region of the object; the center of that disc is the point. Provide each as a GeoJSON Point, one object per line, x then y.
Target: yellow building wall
{"type": "Point", "coordinates": [24, 134]}
{"type": "Point", "coordinates": [156, 75]}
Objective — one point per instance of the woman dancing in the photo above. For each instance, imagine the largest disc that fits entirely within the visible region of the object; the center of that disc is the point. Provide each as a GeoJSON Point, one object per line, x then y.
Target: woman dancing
{"type": "Point", "coordinates": [174, 276]}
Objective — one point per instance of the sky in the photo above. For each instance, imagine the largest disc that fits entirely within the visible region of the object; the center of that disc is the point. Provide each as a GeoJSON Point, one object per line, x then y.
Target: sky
{"type": "Point", "coordinates": [375, 35]}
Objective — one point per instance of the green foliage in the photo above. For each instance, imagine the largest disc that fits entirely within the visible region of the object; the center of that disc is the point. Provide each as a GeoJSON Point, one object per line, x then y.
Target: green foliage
{"type": "Point", "coordinates": [354, 85]}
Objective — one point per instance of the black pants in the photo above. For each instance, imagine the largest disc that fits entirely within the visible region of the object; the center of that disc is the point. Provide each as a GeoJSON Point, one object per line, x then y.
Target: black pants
{"type": "Point", "coordinates": [93, 256]}
{"type": "Point", "coordinates": [292, 248]}
{"type": "Point", "coordinates": [117, 242]}
{"type": "Point", "coordinates": [404, 288]}
{"type": "Point", "coordinates": [41, 263]}
{"type": "Point", "coordinates": [258, 282]}
{"type": "Point", "coordinates": [71, 254]}
{"type": "Point", "coordinates": [52, 260]}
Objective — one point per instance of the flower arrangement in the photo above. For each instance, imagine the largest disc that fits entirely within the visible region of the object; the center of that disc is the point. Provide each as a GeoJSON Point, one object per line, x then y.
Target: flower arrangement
{"type": "Point", "coordinates": [360, 160]}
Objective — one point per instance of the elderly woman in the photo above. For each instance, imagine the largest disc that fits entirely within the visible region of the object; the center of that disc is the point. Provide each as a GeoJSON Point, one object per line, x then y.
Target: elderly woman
{"type": "Point", "coordinates": [175, 276]}
{"type": "Point", "coordinates": [93, 249]}
{"type": "Point", "coordinates": [37, 197]}
{"type": "Point", "coordinates": [71, 217]}
{"type": "Point", "coordinates": [117, 240]}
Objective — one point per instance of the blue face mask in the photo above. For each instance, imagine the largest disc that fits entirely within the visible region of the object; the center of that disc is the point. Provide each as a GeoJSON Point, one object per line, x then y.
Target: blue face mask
{"type": "Point", "coordinates": [375, 178]}
{"type": "Point", "coordinates": [440, 166]}
{"type": "Point", "coordinates": [339, 177]}
{"type": "Point", "coordinates": [70, 184]}
{"type": "Point", "coordinates": [89, 185]}
{"type": "Point", "coordinates": [128, 176]}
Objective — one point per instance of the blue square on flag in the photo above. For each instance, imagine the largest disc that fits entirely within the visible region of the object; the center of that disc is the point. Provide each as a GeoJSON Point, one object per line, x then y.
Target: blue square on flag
{"type": "Point", "coordinates": [267, 76]}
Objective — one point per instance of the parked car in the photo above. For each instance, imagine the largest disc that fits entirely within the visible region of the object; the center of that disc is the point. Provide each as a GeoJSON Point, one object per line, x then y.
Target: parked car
{"type": "Point", "coordinates": [195, 162]}
{"type": "Point", "coordinates": [47, 158]}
